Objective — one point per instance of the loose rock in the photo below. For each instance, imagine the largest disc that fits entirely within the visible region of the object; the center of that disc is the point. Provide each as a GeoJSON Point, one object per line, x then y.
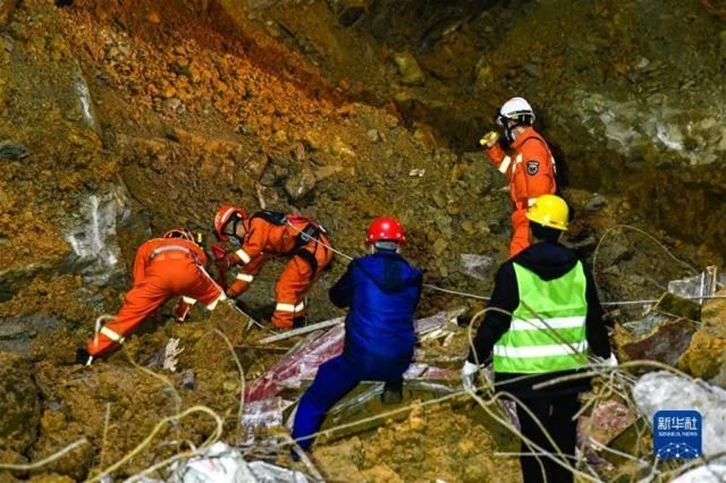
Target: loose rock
{"type": "Point", "coordinates": [12, 151]}
{"type": "Point", "coordinates": [408, 68]}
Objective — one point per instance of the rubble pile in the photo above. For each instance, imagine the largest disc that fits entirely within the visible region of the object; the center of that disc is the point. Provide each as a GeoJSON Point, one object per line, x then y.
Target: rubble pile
{"type": "Point", "coordinates": [119, 120]}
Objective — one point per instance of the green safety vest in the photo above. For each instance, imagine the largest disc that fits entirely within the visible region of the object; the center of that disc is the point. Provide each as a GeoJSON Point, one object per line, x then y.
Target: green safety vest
{"type": "Point", "coordinates": [548, 333]}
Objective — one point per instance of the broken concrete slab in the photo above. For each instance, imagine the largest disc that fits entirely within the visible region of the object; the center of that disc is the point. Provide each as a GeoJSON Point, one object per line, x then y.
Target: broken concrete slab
{"type": "Point", "coordinates": [666, 344]}
{"type": "Point", "coordinates": [607, 421]}
{"type": "Point", "coordinates": [478, 266]}
{"type": "Point", "coordinates": [704, 284]}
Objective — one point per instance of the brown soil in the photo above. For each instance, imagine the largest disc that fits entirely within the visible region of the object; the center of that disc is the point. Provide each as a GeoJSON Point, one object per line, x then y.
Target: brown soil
{"type": "Point", "coordinates": [194, 104]}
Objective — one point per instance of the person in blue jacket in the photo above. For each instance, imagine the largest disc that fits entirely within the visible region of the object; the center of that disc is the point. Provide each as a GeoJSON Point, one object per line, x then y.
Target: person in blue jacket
{"type": "Point", "coordinates": [382, 291]}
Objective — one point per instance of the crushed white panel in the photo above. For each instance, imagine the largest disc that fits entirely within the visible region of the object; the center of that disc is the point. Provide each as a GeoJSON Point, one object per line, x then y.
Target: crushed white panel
{"type": "Point", "coordinates": [223, 464]}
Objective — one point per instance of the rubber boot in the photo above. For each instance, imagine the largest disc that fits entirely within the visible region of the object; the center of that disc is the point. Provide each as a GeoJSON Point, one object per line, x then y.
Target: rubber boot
{"type": "Point", "coordinates": [299, 322]}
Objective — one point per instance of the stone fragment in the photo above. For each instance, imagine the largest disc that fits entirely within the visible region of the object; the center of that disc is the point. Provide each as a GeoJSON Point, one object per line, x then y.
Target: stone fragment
{"type": "Point", "coordinates": [300, 184]}
{"type": "Point", "coordinates": [409, 70]}
{"type": "Point", "coordinates": [12, 151]}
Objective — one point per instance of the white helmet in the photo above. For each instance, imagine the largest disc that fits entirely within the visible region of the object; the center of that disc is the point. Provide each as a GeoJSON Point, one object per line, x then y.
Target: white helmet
{"type": "Point", "coordinates": [516, 109]}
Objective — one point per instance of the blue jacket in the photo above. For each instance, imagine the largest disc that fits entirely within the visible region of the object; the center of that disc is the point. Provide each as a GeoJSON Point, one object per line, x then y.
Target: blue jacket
{"type": "Point", "coordinates": [382, 291]}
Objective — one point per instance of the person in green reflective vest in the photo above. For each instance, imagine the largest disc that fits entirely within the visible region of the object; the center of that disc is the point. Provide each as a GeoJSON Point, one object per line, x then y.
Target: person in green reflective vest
{"type": "Point", "coordinates": [555, 327]}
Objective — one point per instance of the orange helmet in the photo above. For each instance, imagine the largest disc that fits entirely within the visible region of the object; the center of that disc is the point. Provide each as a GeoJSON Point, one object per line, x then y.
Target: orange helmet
{"type": "Point", "coordinates": [226, 214]}
{"type": "Point", "coordinates": [386, 229]}
{"type": "Point", "coordinates": [182, 233]}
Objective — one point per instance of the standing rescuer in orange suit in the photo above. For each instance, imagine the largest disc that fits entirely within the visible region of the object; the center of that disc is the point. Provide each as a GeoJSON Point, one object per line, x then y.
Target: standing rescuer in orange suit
{"type": "Point", "coordinates": [266, 234]}
{"type": "Point", "coordinates": [164, 267]}
{"type": "Point", "coordinates": [530, 168]}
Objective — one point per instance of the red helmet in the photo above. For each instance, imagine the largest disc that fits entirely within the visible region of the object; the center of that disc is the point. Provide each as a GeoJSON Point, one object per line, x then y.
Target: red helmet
{"type": "Point", "coordinates": [225, 214]}
{"type": "Point", "coordinates": [182, 233]}
{"type": "Point", "coordinates": [386, 229]}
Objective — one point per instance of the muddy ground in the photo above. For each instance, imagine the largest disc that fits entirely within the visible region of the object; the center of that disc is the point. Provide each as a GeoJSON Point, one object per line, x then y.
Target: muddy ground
{"type": "Point", "coordinates": [119, 120]}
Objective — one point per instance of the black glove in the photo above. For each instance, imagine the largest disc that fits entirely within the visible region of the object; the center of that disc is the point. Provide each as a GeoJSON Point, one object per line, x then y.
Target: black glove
{"type": "Point", "coordinates": [83, 357]}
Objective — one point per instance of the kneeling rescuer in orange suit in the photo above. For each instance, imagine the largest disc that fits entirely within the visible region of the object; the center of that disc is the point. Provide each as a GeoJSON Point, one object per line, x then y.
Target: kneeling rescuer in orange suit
{"type": "Point", "coordinates": [164, 267]}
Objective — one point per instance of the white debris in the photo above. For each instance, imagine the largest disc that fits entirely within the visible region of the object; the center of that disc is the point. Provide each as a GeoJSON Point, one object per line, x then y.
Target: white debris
{"type": "Point", "coordinates": [171, 353]}
{"type": "Point", "coordinates": [704, 284]}
{"type": "Point", "coordinates": [92, 235]}
{"type": "Point", "coordinates": [417, 172]}
{"type": "Point", "coordinates": [223, 464]}
{"type": "Point", "coordinates": [658, 391]}
{"type": "Point", "coordinates": [478, 266]}
{"type": "Point", "coordinates": [708, 473]}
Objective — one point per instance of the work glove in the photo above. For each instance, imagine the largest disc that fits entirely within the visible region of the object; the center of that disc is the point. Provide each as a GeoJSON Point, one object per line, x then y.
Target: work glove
{"type": "Point", "coordinates": [468, 374]}
{"type": "Point", "coordinates": [612, 361]}
{"type": "Point", "coordinates": [218, 252]}
{"type": "Point", "coordinates": [181, 311]}
{"type": "Point", "coordinates": [489, 139]}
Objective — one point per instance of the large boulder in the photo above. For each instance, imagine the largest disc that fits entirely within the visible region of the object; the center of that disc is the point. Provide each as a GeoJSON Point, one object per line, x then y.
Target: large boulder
{"type": "Point", "coordinates": [19, 404]}
{"type": "Point", "coordinates": [92, 233]}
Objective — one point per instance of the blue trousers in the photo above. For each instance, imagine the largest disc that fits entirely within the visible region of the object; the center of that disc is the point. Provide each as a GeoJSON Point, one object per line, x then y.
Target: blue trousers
{"type": "Point", "coordinates": [334, 380]}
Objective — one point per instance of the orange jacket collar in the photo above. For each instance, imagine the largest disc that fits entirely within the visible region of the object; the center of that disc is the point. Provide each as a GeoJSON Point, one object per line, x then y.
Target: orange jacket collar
{"type": "Point", "coordinates": [529, 132]}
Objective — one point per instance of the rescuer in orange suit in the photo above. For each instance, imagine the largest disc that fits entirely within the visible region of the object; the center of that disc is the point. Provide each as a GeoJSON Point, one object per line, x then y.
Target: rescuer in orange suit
{"type": "Point", "coordinates": [266, 234]}
{"type": "Point", "coordinates": [530, 169]}
{"type": "Point", "coordinates": [163, 267]}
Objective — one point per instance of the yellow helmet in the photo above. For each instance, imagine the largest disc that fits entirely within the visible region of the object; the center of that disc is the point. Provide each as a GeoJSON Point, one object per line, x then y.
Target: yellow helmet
{"type": "Point", "coordinates": [551, 211]}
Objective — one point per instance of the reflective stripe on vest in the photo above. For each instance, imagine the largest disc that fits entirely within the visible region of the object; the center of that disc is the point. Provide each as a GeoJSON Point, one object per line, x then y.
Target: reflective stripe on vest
{"type": "Point", "coordinates": [547, 333]}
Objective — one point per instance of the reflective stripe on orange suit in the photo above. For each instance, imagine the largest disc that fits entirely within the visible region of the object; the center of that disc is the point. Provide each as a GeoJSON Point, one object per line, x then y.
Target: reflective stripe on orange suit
{"type": "Point", "coordinates": [265, 239]}
{"type": "Point", "coordinates": [170, 272]}
{"type": "Point", "coordinates": [530, 170]}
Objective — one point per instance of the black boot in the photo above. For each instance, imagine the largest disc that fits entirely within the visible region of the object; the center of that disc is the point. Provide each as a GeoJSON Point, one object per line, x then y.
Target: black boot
{"type": "Point", "coordinates": [299, 322]}
{"type": "Point", "coordinates": [83, 357]}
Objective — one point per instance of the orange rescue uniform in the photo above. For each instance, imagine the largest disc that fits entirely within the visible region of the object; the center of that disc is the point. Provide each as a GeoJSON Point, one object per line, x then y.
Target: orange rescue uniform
{"type": "Point", "coordinates": [265, 239]}
{"type": "Point", "coordinates": [163, 268]}
{"type": "Point", "coordinates": [531, 173]}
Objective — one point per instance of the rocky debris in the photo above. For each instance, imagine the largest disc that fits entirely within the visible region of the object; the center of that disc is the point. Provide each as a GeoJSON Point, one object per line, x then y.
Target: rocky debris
{"type": "Point", "coordinates": [409, 70]}
{"type": "Point", "coordinates": [300, 184]}
{"type": "Point", "coordinates": [12, 151]}
{"type": "Point", "coordinates": [607, 421]}
{"type": "Point", "coordinates": [19, 404]}
{"type": "Point", "coordinates": [664, 344]}
{"type": "Point", "coordinates": [92, 235]}
{"type": "Point", "coordinates": [478, 266]}
{"type": "Point", "coordinates": [17, 333]}
{"type": "Point", "coordinates": [188, 382]}
{"type": "Point", "coordinates": [7, 8]}
{"type": "Point", "coordinates": [708, 473]}
{"type": "Point", "coordinates": [596, 203]}
{"type": "Point", "coordinates": [706, 355]}
{"type": "Point", "coordinates": [224, 464]}
{"type": "Point", "coordinates": [704, 284]}
{"type": "Point", "coordinates": [374, 135]}
{"type": "Point", "coordinates": [658, 390]}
